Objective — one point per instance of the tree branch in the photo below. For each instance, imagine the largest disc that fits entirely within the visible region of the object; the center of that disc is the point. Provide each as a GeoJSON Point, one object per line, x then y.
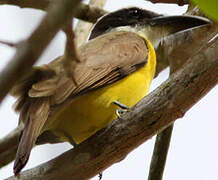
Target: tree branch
{"type": "Point", "coordinates": [36, 4]}
{"type": "Point", "coordinates": [176, 49]}
{"type": "Point", "coordinates": [180, 42]}
{"type": "Point", "coordinates": [179, 56]}
{"type": "Point", "coordinates": [179, 2]}
{"type": "Point", "coordinates": [10, 44]}
{"type": "Point", "coordinates": [159, 156]}
{"type": "Point", "coordinates": [70, 57]}
{"type": "Point", "coordinates": [88, 13]}
{"type": "Point", "coordinates": [8, 146]}
{"type": "Point", "coordinates": [29, 51]}
{"type": "Point", "coordinates": [70, 47]}
{"type": "Point", "coordinates": [83, 11]}
{"type": "Point", "coordinates": [151, 115]}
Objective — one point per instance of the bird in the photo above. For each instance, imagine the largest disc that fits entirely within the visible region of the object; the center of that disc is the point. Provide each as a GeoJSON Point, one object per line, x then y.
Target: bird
{"type": "Point", "coordinates": [115, 71]}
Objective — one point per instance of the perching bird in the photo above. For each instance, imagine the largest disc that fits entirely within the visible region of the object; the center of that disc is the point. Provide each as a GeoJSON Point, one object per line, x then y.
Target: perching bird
{"type": "Point", "coordinates": [115, 71]}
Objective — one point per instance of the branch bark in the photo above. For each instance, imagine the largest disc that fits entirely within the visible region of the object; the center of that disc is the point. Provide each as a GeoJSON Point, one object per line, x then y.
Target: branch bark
{"type": "Point", "coordinates": [83, 11]}
{"type": "Point", "coordinates": [179, 56]}
{"type": "Point", "coordinates": [151, 115]}
{"type": "Point", "coordinates": [89, 13]}
{"type": "Point", "coordinates": [8, 146]}
{"type": "Point", "coordinates": [160, 152]}
{"type": "Point", "coordinates": [175, 50]}
{"type": "Point", "coordinates": [29, 51]}
{"type": "Point", "coordinates": [37, 4]}
{"type": "Point", "coordinates": [179, 2]}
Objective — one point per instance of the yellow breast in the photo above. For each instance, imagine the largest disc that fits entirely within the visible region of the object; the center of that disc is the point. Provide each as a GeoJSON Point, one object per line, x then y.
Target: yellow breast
{"type": "Point", "coordinates": [92, 111]}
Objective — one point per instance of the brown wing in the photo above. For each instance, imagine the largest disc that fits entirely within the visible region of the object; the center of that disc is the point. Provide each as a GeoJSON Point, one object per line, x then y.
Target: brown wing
{"type": "Point", "coordinates": [105, 60]}
{"type": "Point", "coordinates": [46, 89]}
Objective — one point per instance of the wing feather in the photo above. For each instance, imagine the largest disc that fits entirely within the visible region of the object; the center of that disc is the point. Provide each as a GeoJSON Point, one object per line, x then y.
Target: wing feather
{"type": "Point", "coordinates": [108, 55]}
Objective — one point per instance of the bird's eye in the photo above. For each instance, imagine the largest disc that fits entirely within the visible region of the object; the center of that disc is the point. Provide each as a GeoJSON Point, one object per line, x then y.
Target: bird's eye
{"type": "Point", "coordinates": [134, 13]}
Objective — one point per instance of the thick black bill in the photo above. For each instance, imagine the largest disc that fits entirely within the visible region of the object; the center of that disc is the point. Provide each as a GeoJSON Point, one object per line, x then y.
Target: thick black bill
{"type": "Point", "coordinates": [177, 23]}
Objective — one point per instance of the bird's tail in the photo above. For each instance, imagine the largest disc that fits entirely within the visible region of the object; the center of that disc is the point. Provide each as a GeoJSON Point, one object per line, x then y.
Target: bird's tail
{"type": "Point", "coordinates": [35, 117]}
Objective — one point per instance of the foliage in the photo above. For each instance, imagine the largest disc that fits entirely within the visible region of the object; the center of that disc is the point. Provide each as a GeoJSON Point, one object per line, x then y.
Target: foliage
{"type": "Point", "coordinates": [209, 7]}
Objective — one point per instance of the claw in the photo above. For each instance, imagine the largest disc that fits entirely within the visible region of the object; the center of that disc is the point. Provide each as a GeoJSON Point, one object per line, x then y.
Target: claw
{"type": "Point", "coordinates": [100, 175]}
{"type": "Point", "coordinates": [120, 112]}
{"type": "Point", "coordinates": [124, 108]}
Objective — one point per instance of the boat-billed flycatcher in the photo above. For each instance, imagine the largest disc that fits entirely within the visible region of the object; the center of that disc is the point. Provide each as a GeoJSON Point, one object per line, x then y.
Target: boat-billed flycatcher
{"type": "Point", "coordinates": [116, 66]}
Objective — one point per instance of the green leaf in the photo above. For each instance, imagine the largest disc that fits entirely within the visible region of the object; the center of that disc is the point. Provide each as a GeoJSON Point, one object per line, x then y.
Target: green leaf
{"type": "Point", "coordinates": [209, 7]}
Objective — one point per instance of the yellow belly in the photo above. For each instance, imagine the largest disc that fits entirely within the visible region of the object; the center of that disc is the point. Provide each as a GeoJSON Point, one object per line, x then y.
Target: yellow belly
{"type": "Point", "coordinates": [92, 111]}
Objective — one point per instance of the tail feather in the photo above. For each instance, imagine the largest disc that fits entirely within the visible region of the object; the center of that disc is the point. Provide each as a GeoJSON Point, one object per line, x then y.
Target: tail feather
{"type": "Point", "coordinates": [35, 118]}
{"type": "Point", "coordinates": [24, 148]}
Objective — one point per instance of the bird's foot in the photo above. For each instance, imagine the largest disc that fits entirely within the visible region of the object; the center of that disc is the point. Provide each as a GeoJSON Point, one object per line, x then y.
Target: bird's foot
{"type": "Point", "coordinates": [123, 108]}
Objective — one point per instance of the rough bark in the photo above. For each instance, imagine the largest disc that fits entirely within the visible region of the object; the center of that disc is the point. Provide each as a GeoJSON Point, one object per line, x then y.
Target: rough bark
{"type": "Point", "coordinates": [160, 152]}
{"type": "Point", "coordinates": [8, 146]}
{"type": "Point", "coordinates": [179, 56]}
{"type": "Point", "coordinates": [175, 49]}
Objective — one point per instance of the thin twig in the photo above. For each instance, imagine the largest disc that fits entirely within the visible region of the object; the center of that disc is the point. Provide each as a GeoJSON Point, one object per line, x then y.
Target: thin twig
{"type": "Point", "coordinates": [70, 58]}
{"type": "Point", "coordinates": [10, 44]}
{"type": "Point", "coordinates": [29, 51]}
{"type": "Point", "coordinates": [179, 2]}
{"type": "Point", "coordinates": [82, 30]}
{"type": "Point", "coordinates": [70, 49]}
{"type": "Point", "coordinates": [151, 115]}
{"type": "Point", "coordinates": [160, 154]}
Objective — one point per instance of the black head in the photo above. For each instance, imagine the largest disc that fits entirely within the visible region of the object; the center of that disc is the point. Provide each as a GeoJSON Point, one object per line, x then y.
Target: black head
{"type": "Point", "coordinates": [123, 17]}
{"type": "Point", "coordinates": [162, 25]}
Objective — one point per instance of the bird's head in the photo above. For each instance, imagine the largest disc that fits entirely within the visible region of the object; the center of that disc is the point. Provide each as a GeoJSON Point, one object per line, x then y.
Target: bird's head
{"type": "Point", "coordinates": [151, 25]}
